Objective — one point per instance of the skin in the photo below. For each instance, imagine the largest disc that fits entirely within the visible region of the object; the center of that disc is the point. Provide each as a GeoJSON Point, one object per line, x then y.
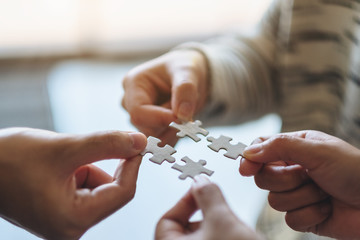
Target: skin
{"type": "Point", "coordinates": [219, 222]}
{"type": "Point", "coordinates": [313, 177]}
{"type": "Point", "coordinates": [49, 187]}
{"type": "Point", "coordinates": [171, 87]}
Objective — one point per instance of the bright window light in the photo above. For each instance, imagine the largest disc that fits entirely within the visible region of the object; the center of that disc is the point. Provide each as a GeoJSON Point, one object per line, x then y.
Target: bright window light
{"type": "Point", "coordinates": [90, 24]}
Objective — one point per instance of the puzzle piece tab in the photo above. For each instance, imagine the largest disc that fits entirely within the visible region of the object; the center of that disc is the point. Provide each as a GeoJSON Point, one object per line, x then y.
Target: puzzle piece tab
{"type": "Point", "coordinates": [160, 154]}
{"type": "Point", "coordinates": [191, 168]}
{"type": "Point", "coordinates": [190, 129]}
{"type": "Point", "coordinates": [223, 142]}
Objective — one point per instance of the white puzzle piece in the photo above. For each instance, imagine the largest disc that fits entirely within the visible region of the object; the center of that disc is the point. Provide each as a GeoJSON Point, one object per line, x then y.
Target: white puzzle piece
{"type": "Point", "coordinates": [190, 129]}
{"type": "Point", "coordinates": [223, 142]}
{"type": "Point", "coordinates": [191, 168]}
{"type": "Point", "coordinates": [160, 154]}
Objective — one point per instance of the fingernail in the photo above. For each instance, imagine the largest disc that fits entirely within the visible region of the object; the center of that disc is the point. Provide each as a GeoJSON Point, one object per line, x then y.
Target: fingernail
{"type": "Point", "coordinates": [252, 150]}
{"type": "Point", "coordinates": [200, 180]}
{"type": "Point", "coordinates": [138, 140]}
{"type": "Point", "coordinates": [186, 110]}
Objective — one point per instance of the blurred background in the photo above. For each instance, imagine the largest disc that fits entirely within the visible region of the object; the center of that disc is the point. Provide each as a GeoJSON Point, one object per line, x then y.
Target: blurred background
{"type": "Point", "coordinates": [36, 35]}
{"type": "Point", "coordinates": [61, 66]}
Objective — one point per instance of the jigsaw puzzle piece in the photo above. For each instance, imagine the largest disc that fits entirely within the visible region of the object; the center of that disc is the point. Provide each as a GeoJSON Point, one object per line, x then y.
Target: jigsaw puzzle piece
{"type": "Point", "coordinates": [190, 129]}
{"type": "Point", "coordinates": [160, 154]}
{"type": "Point", "coordinates": [233, 151]}
{"type": "Point", "coordinates": [191, 168]}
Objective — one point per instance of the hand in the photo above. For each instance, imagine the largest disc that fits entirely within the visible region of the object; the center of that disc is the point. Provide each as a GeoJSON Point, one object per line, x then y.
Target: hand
{"type": "Point", "coordinates": [310, 165]}
{"type": "Point", "coordinates": [49, 187]}
{"type": "Point", "coordinates": [170, 87]}
{"type": "Point", "coordinates": [219, 221]}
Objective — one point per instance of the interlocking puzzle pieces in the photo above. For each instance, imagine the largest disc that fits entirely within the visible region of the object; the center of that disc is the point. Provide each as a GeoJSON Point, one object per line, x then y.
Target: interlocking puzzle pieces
{"type": "Point", "coordinates": [223, 142]}
{"type": "Point", "coordinates": [190, 129]}
{"type": "Point", "coordinates": [160, 154]}
{"type": "Point", "coordinates": [191, 168]}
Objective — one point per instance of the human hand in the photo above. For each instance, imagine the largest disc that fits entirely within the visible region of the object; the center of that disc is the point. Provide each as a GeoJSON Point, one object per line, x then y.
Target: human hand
{"type": "Point", "coordinates": [170, 87]}
{"type": "Point", "coordinates": [219, 220]}
{"type": "Point", "coordinates": [49, 187]}
{"type": "Point", "coordinates": [301, 170]}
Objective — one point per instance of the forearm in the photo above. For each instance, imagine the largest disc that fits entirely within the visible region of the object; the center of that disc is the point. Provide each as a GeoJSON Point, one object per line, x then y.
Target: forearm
{"type": "Point", "coordinates": [240, 82]}
{"type": "Point", "coordinates": [241, 73]}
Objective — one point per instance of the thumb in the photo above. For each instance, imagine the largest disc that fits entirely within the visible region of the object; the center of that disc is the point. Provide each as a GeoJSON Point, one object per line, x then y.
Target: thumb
{"type": "Point", "coordinates": [89, 148]}
{"type": "Point", "coordinates": [209, 197]}
{"type": "Point", "coordinates": [298, 147]}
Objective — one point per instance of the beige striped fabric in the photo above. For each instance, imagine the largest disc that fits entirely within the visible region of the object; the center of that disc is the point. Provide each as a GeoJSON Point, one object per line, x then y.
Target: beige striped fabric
{"type": "Point", "coordinates": [302, 62]}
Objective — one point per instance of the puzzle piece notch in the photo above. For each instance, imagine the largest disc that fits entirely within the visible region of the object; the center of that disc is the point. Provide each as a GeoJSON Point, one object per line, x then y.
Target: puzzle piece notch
{"type": "Point", "coordinates": [190, 129]}
{"type": "Point", "coordinates": [191, 168]}
{"type": "Point", "coordinates": [160, 154]}
{"type": "Point", "coordinates": [223, 142]}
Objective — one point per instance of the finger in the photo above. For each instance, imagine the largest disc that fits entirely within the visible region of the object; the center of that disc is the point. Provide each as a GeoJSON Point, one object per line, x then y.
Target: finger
{"type": "Point", "coordinates": [183, 210]}
{"type": "Point", "coordinates": [135, 96]}
{"type": "Point", "coordinates": [291, 147]}
{"type": "Point", "coordinates": [248, 168]}
{"type": "Point", "coordinates": [151, 118]}
{"type": "Point", "coordinates": [108, 198]}
{"type": "Point", "coordinates": [90, 176]}
{"type": "Point", "coordinates": [89, 148]}
{"type": "Point", "coordinates": [167, 229]}
{"type": "Point", "coordinates": [209, 198]}
{"type": "Point", "coordinates": [278, 178]}
{"type": "Point", "coordinates": [145, 86]}
{"type": "Point", "coordinates": [184, 94]}
{"type": "Point", "coordinates": [306, 219]}
{"type": "Point", "coordinates": [175, 222]}
{"type": "Point", "coordinates": [303, 196]}
{"type": "Point", "coordinates": [260, 140]}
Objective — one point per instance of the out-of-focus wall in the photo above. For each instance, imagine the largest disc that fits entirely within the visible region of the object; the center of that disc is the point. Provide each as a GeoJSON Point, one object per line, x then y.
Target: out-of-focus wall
{"type": "Point", "coordinates": [49, 27]}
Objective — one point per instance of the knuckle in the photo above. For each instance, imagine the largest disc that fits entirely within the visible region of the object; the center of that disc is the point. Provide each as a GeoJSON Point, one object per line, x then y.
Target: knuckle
{"type": "Point", "coordinates": [288, 181]}
{"type": "Point", "coordinates": [274, 202]}
{"type": "Point", "coordinates": [125, 81]}
{"type": "Point", "coordinates": [292, 222]}
{"type": "Point", "coordinates": [279, 140]}
{"type": "Point", "coordinates": [110, 139]}
{"type": "Point", "coordinates": [134, 78]}
{"type": "Point", "coordinates": [131, 75]}
{"type": "Point", "coordinates": [259, 181]}
{"type": "Point", "coordinates": [62, 147]}
{"type": "Point", "coordinates": [131, 194]}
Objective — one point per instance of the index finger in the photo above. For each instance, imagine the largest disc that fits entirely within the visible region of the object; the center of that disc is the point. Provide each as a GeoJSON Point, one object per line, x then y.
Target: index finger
{"type": "Point", "coordinates": [107, 198]}
{"type": "Point", "coordinates": [154, 119]}
{"type": "Point", "coordinates": [145, 113]}
{"type": "Point", "coordinates": [209, 197]}
{"type": "Point", "coordinates": [183, 210]}
{"type": "Point", "coordinates": [175, 222]}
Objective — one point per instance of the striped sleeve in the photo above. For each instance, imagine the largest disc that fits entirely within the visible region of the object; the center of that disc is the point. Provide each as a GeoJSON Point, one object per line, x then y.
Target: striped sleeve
{"type": "Point", "coordinates": [242, 72]}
